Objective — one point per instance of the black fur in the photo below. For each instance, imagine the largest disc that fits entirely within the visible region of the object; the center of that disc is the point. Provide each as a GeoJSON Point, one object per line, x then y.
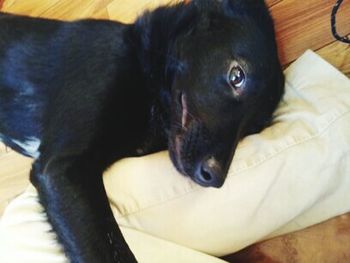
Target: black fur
{"type": "Point", "coordinates": [91, 92]}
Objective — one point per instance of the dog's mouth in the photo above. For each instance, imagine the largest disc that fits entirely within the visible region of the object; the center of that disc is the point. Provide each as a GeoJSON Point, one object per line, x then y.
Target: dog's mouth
{"type": "Point", "coordinates": [184, 109]}
{"type": "Point", "coordinates": [181, 129]}
{"type": "Point", "coordinates": [177, 155]}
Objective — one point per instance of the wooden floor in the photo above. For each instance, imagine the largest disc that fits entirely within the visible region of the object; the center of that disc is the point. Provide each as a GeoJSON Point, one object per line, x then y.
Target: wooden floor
{"type": "Point", "coordinates": [300, 25]}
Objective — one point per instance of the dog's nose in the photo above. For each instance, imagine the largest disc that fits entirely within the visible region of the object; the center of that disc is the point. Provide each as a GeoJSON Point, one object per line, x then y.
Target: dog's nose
{"type": "Point", "coordinates": [210, 173]}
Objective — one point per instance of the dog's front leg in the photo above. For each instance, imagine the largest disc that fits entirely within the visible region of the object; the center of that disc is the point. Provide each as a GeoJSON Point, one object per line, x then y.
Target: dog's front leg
{"type": "Point", "coordinates": [72, 193]}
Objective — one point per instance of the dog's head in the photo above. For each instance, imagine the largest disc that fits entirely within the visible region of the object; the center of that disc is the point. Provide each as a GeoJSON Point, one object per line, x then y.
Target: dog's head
{"type": "Point", "coordinates": [225, 79]}
{"type": "Point", "coordinates": [226, 85]}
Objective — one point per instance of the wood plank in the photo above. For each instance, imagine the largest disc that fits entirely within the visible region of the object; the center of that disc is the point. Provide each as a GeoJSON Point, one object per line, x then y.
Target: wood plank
{"type": "Point", "coordinates": [302, 25]}
{"type": "Point", "coordinates": [337, 54]}
{"type": "Point", "coordinates": [58, 9]}
{"type": "Point", "coordinates": [120, 10]}
{"type": "Point", "coordinates": [272, 2]}
{"type": "Point", "coordinates": [69, 10]}
{"type": "Point", "coordinates": [27, 7]}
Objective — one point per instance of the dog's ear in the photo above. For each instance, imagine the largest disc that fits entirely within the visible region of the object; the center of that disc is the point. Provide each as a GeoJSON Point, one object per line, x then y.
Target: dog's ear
{"type": "Point", "coordinates": [166, 22]}
{"type": "Point", "coordinates": [155, 33]}
{"type": "Point", "coordinates": [205, 4]}
{"type": "Point", "coordinates": [255, 10]}
{"type": "Point", "coordinates": [242, 7]}
{"type": "Point", "coordinates": [228, 4]}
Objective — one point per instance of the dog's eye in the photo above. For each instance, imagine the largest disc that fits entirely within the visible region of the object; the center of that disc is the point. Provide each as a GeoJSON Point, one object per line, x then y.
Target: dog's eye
{"type": "Point", "coordinates": [236, 76]}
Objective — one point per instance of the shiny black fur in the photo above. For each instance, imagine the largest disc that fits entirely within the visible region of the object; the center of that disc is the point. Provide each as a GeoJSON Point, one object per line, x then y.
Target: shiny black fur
{"type": "Point", "coordinates": [90, 92]}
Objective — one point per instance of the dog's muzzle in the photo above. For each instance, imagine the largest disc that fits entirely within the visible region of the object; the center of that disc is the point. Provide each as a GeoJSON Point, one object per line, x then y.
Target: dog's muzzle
{"type": "Point", "coordinates": [189, 143]}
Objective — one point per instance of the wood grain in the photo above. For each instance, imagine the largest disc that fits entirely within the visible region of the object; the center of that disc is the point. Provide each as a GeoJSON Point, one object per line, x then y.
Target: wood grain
{"type": "Point", "coordinates": [272, 2]}
{"type": "Point", "coordinates": [338, 54]}
{"type": "Point", "coordinates": [302, 25]}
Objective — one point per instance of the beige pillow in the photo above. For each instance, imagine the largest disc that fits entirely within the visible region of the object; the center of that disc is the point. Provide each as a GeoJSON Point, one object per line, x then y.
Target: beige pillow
{"type": "Point", "coordinates": [294, 174]}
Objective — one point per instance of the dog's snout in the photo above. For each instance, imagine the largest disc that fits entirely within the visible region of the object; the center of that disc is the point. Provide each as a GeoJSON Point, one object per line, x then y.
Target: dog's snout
{"type": "Point", "coordinates": [210, 173]}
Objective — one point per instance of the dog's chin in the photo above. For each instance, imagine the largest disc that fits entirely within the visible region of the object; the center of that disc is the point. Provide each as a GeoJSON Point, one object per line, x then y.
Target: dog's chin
{"type": "Point", "coordinates": [175, 155]}
{"type": "Point", "coordinates": [175, 149]}
{"type": "Point", "coordinates": [179, 163]}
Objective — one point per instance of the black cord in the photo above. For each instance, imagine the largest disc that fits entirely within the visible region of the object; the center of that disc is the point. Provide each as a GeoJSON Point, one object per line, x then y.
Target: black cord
{"type": "Point", "coordinates": [344, 39]}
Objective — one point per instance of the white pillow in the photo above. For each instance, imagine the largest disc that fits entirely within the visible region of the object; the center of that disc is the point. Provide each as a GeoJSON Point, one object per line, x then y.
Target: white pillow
{"type": "Point", "coordinates": [293, 174]}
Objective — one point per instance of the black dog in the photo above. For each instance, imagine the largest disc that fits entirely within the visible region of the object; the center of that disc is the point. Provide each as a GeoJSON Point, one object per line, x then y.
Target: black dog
{"type": "Point", "coordinates": [194, 78]}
